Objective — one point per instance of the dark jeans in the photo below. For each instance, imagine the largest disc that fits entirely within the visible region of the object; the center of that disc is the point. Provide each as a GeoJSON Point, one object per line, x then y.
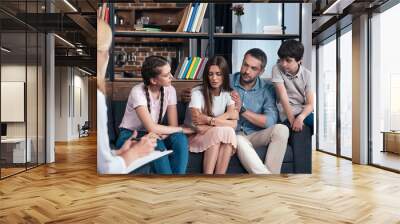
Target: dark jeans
{"type": "Point", "coordinates": [174, 163]}
{"type": "Point", "coordinates": [309, 121]}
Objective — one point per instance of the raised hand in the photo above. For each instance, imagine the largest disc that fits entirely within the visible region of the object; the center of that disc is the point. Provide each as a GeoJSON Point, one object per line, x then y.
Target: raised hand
{"type": "Point", "coordinates": [186, 95]}
{"type": "Point", "coordinates": [236, 97]}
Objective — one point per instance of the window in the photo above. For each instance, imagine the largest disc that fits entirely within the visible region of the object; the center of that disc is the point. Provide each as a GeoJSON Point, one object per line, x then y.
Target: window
{"type": "Point", "coordinates": [346, 92]}
{"type": "Point", "coordinates": [326, 105]}
{"type": "Point", "coordinates": [385, 84]}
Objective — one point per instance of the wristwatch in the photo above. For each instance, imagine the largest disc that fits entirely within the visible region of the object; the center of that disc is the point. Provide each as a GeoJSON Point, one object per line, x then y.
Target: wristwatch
{"type": "Point", "coordinates": [242, 110]}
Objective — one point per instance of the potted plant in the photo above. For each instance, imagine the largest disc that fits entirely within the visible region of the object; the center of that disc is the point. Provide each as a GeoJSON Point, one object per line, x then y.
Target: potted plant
{"type": "Point", "coordinates": [238, 11]}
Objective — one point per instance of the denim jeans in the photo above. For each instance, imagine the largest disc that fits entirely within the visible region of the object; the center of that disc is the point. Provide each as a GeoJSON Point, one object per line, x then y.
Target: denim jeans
{"type": "Point", "coordinates": [174, 163]}
{"type": "Point", "coordinates": [309, 121]}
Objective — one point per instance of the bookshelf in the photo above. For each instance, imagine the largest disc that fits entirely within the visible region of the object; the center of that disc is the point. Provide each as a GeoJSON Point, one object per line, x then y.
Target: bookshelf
{"type": "Point", "coordinates": [171, 37]}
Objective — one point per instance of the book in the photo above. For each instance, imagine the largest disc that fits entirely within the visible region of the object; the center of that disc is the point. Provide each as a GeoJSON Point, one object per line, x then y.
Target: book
{"type": "Point", "coordinates": [189, 63]}
{"type": "Point", "coordinates": [191, 68]}
{"type": "Point", "coordinates": [184, 18]}
{"type": "Point", "coordinates": [146, 159]}
{"type": "Point", "coordinates": [188, 18]}
{"type": "Point", "coordinates": [193, 16]}
{"type": "Point", "coordinates": [196, 18]}
{"type": "Point", "coordinates": [200, 76]}
{"type": "Point", "coordinates": [201, 63]}
{"type": "Point", "coordinates": [182, 69]}
{"type": "Point", "coordinates": [195, 67]}
{"type": "Point", "coordinates": [201, 18]}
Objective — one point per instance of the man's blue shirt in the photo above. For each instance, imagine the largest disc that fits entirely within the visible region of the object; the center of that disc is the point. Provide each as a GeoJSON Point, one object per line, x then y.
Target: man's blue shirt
{"type": "Point", "coordinates": [261, 99]}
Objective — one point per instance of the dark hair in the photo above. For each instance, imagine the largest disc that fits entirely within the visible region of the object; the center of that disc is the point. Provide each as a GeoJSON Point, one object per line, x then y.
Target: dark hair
{"type": "Point", "coordinates": [224, 67]}
{"type": "Point", "coordinates": [259, 54]}
{"type": "Point", "coordinates": [151, 69]}
{"type": "Point", "coordinates": [291, 48]}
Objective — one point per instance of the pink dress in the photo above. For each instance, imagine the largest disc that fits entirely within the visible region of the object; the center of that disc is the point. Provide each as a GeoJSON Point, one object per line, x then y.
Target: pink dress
{"type": "Point", "coordinates": [214, 135]}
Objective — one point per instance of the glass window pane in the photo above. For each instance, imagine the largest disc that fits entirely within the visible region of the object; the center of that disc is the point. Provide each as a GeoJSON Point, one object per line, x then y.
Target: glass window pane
{"type": "Point", "coordinates": [14, 153]}
{"type": "Point", "coordinates": [327, 96]}
{"type": "Point", "coordinates": [31, 100]}
{"type": "Point", "coordinates": [41, 99]}
{"type": "Point", "coordinates": [346, 94]}
{"type": "Point", "coordinates": [385, 114]}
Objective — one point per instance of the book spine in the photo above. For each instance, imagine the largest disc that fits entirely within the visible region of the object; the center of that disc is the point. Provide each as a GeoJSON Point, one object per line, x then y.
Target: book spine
{"type": "Point", "coordinates": [188, 18]}
{"type": "Point", "coordinates": [191, 68]}
{"type": "Point", "coordinates": [183, 68]}
{"type": "Point", "coordinates": [187, 68]}
{"type": "Point", "coordinates": [202, 69]}
{"type": "Point", "coordinates": [196, 66]}
{"type": "Point", "coordinates": [197, 18]}
{"type": "Point", "coordinates": [199, 68]}
{"type": "Point", "coordinates": [196, 5]}
{"type": "Point", "coordinates": [203, 12]}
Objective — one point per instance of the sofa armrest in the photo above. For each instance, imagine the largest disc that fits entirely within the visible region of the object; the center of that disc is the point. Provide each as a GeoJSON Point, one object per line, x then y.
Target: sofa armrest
{"type": "Point", "coordinates": [301, 143]}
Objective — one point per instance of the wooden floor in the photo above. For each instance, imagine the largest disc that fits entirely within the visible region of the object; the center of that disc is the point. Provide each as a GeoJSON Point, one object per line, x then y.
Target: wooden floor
{"type": "Point", "coordinates": [70, 191]}
{"type": "Point", "coordinates": [387, 159]}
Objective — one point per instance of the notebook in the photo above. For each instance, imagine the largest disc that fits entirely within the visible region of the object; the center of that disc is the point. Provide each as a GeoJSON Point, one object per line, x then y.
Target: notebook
{"type": "Point", "coordinates": [146, 159]}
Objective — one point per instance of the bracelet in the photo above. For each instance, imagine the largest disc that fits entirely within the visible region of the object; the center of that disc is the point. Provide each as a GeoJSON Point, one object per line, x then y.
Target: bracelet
{"type": "Point", "coordinates": [212, 121]}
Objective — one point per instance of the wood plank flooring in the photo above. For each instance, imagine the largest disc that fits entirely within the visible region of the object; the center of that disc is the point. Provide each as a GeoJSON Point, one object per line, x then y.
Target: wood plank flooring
{"type": "Point", "coordinates": [70, 191]}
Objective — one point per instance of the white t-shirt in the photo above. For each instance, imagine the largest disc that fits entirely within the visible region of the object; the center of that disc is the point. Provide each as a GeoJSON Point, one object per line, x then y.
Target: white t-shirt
{"type": "Point", "coordinates": [107, 163]}
{"type": "Point", "coordinates": [137, 97]}
{"type": "Point", "coordinates": [220, 103]}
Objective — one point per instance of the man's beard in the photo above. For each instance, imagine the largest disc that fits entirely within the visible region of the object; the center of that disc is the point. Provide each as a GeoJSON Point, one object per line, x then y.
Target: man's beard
{"type": "Point", "coordinates": [246, 81]}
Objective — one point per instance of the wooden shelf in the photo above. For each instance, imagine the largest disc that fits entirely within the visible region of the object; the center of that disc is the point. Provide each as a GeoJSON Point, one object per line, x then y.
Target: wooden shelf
{"type": "Point", "coordinates": [121, 79]}
{"type": "Point", "coordinates": [186, 35]}
{"type": "Point", "coordinates": [149, 8]}
{"type": "Point", "coordinates": [254, 36]}
{"type": "Point", "coordinates": [149, 40]}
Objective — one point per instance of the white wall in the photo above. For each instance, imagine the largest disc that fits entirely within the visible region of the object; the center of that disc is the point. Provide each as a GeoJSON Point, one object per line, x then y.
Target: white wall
{"type": "Point", "coordinates": [258, 15]}
{"type": "Point", "coordinates": [71, 93]}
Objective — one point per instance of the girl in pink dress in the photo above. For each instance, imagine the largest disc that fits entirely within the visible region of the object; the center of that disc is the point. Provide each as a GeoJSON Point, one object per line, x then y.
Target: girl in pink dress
{"type": "Point", "coordinates": [212, 114]}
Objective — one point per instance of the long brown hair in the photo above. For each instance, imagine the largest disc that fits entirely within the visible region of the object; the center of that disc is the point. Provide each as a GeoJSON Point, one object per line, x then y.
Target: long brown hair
{"type": "Point", "coordinates": [151, 69]}
{"type": "Point", "coordinates": [224, 67]}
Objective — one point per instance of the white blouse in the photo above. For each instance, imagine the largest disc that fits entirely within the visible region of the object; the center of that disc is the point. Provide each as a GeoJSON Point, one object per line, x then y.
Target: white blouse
{"type": "Point", "coordinates": [107, 163]}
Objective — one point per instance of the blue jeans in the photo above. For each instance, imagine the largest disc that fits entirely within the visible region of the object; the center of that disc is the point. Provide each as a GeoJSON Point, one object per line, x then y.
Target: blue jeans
{"type": "Point", "coordinates": [309, 121]}
{"type": "Point", "coordinates": [174, 163]}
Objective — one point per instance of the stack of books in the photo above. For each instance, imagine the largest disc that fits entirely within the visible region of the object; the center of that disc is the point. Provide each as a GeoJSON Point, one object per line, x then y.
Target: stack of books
{"type": "Point", "coordinates": [192, 18]}
{"type": "Point", "coordinates": [192, 68]}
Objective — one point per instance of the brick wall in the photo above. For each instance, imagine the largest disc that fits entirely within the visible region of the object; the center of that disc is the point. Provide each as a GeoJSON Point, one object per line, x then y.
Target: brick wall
{"type": "Point", "coordinates": [141, 51]}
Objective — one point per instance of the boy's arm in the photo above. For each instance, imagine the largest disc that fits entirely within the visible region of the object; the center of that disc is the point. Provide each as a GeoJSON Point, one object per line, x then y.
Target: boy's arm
{"type": "Point", "coordinates": [284, 100]}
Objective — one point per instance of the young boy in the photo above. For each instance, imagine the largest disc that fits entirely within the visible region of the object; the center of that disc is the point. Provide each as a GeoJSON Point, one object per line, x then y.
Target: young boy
{"type": "Point", "coordinates": [293, 87]}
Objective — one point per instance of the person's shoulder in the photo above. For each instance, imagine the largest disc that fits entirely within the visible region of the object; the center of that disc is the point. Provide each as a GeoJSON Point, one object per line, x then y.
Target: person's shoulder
{"type": "Point", "coordinates": [275, 68]}
{"type": "Point", "coordinates": [197, 88]}
{"type": "Point", "coordinates": [268, 86]}
{"type": "Point", "coordinates": [305, 72]}
{"type": "Point", "coordinates": [266, 82]}
{"type": "Point", "coordinates": [138, 89]}
{"type": "Point", "coordinates": [170, 88]}
{"type": "Point", "coordinates": [197, 91]}
{"type": "Point", "coordinates": [139, 86]}
{"type": "Point", "coordinates": [226, 93]}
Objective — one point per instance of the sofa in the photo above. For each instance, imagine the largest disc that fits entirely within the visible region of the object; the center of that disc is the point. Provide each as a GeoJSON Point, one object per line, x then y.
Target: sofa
{"type": "Point", "coordinates": [297, 157]}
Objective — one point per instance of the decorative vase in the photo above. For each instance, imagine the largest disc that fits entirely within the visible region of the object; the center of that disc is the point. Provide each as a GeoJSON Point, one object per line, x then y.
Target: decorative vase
{"type": "Point", "coordinates": [238, 25]}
